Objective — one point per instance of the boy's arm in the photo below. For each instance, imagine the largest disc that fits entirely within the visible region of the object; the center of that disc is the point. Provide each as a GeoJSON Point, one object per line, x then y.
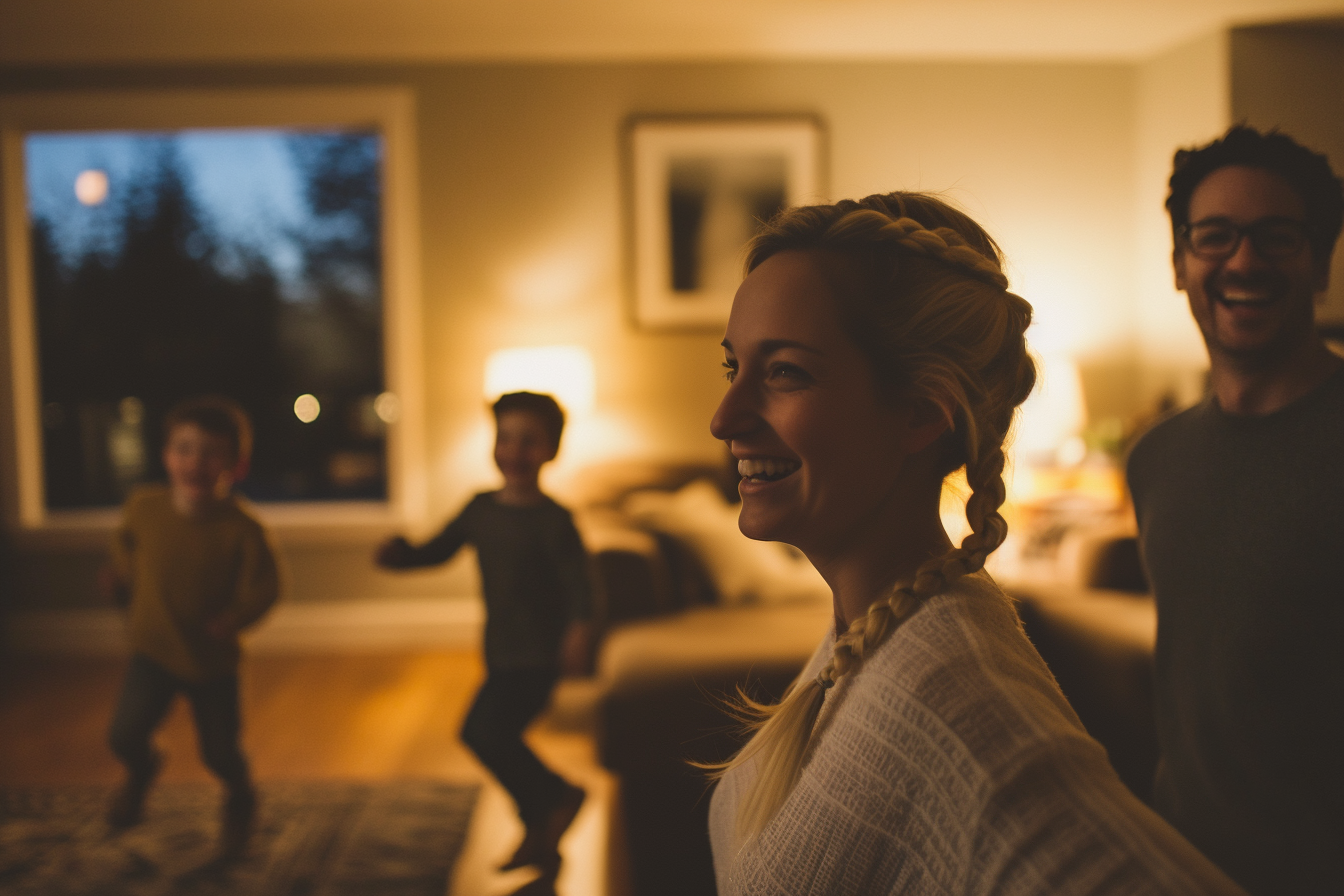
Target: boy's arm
{"type": "Point", "coordinates": [257, 590]}
{"type": "Point", "coordinates": [114, 577]}
{"type": "Point", "coordinates": [398, 553]}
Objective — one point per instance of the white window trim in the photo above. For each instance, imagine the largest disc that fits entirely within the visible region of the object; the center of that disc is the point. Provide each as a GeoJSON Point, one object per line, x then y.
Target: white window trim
{"type": "Point", "coordinates": [389, 110]}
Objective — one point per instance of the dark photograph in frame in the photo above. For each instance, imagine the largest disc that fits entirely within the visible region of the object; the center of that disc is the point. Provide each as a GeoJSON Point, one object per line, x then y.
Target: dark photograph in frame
{"type": "Point", "coordinates": [699, 189]}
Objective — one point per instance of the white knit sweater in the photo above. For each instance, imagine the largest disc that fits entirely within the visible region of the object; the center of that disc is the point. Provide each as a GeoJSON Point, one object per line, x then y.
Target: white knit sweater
{"type": "Point", "coordinates": [950, 763]}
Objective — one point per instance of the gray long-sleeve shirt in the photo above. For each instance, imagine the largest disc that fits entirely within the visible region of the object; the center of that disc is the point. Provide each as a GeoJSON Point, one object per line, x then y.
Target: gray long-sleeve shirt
{"type": "Point", "coordinates": [534, 574]}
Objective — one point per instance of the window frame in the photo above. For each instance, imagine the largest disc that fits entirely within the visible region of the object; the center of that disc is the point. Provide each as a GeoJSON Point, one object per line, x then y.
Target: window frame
{"type": "Point", "coordinates": [388, 110]}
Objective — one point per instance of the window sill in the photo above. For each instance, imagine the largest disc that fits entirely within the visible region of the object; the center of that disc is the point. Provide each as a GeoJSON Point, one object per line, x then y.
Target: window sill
{"type": "Point", "coordinates": [309, 523]}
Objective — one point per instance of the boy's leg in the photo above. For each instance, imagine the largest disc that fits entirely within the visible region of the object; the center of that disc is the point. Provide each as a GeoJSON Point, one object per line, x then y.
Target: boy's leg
{"type": "Point", "coordinates": [214, 705]}
{"type": "Point", "coordinates": [505, 705]}
{"type": "Point", "coordinates": [145, 697]}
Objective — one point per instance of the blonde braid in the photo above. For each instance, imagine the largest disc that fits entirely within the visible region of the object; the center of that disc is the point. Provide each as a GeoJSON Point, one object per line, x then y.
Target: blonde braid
{"type": "Point", "coordinates": [933, 577]}
{"type": "Point", "coordinates": [981, 368]}
{"type": "Point", "coordinates": [945, 245]}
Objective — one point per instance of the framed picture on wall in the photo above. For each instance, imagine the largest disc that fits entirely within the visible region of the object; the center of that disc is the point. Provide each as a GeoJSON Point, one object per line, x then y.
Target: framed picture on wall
{"type": "Point", "coordinates": [698, 189]}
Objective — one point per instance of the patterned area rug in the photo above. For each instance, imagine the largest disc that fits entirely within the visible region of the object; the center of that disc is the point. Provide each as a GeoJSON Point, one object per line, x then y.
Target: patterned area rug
{"type": "Point", "coordinates": [311, 839]}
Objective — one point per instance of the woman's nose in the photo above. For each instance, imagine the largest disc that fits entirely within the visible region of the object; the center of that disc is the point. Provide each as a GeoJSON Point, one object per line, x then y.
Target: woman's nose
{"type": "Point", "coordinates": [736, 414]}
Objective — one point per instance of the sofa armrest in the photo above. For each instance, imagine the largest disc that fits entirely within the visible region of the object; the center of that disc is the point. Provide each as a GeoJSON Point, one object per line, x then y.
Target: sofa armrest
{"type": "Point", "coordinates": [667, 681]}
{"type": "Point", "coordinates": [639, 574]}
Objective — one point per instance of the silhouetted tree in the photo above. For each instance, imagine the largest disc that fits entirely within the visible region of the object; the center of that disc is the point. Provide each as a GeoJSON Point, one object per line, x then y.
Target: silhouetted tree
{"type": "Point", "coordinates": [342, 248]}
{"type": "Point", "coordinates": [167, 308]}
{"type": "Point", "coordinates": [156, 320]}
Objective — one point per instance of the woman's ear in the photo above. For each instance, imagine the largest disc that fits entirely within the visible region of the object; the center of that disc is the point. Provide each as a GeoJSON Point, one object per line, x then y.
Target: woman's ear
{"type": "Point", "coordinates": [928, 420]}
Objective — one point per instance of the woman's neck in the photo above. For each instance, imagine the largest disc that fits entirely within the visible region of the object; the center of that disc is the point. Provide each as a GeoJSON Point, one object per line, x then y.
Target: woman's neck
{"type": "Point", "coordinates": [882, 553]}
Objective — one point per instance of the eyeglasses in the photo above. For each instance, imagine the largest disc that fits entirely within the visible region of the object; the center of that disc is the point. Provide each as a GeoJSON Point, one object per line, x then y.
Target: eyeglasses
{"type": "Point", "coordinates": [1272, 238]}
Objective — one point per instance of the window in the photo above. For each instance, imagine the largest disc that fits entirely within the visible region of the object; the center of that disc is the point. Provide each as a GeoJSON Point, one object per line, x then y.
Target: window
{"type": "Point", "coordinates": [264, 256]}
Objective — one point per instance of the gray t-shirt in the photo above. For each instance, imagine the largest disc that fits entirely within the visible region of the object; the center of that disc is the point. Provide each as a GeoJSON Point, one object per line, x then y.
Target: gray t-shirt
{"type": "Point", "coordinates": [534, 575]}
{"type": "Point", "coordinates": [1241, 522]}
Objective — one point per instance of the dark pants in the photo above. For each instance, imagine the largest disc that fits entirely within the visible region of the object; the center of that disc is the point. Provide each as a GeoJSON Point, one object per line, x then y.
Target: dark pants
{"type": "Point", "coordinates": [145, 698]}
{"type": "Point", "coordinates": [508, 701]}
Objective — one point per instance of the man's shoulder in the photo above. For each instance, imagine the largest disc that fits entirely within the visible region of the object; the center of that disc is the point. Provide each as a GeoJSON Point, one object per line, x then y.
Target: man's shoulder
{"type": "Point", "coordinates": [1169, 436]}
{"type": "Point", "coordinates": [1328, 398]}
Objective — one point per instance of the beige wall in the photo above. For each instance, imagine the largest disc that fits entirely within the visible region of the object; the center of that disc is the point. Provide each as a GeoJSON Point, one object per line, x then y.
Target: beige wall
{"type": "Point", "coordinates": [1183, 100]}
{"type": "Point", "coordinates": [1292, 78]}
{"type": "Point", "coordinates": [520, 172]}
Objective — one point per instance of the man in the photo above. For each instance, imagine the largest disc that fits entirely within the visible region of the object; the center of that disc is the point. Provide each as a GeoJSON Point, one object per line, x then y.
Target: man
{"type": "Point", "coordinates": [1240, 504]}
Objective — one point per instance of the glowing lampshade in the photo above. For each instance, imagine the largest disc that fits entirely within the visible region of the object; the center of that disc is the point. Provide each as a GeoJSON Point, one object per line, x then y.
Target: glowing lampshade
{"type": "Point", "coordinates": [565, 371]}
{"type": "Point", "coordinates": [1054, 413]}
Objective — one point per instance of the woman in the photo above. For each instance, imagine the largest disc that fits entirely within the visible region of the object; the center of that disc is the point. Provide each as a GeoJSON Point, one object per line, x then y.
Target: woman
{"type": "Point", "coordinates": [873, 348]}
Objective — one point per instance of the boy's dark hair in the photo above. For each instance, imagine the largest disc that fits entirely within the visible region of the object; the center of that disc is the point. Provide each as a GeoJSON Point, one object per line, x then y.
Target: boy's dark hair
{"type": "Point", "coordinates": [218, 415]}
{"type": "Point", "coordinates": [546, 409]}
{"type": "Point", "coordinates": [1308, 172]}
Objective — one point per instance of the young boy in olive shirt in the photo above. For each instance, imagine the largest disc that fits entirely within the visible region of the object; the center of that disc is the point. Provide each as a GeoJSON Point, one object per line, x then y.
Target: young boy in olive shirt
{"type": "Point", "coordinates": [534, 573]}
{"type": "Point", "coordinates": [195, 569]}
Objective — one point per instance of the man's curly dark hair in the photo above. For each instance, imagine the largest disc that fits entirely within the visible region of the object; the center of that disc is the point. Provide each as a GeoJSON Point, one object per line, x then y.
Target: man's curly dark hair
{"type": "Point", "coordinates": [1308, 172]}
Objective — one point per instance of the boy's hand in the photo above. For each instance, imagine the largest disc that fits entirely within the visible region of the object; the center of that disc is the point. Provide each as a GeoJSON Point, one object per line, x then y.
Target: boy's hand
{"type": "Point", "coordinates": [111, 587]}
{"type": "Point", "coordinates": [576, 649]}
{"type": "Point", "coordinates": [395, 553]}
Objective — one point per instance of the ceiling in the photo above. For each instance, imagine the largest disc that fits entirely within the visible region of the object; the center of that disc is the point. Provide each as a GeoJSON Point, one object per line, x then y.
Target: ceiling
{"type": "Point", "coordinates": [46, 32]}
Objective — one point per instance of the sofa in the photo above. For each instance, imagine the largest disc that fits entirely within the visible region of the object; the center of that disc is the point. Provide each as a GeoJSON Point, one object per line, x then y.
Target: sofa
{"type": "Point", "coordinates": [691, 613]}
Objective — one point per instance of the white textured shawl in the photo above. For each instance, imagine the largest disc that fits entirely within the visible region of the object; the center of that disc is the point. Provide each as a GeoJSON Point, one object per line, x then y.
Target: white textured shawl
{"type": "Point", "coordinates": [950, 763]}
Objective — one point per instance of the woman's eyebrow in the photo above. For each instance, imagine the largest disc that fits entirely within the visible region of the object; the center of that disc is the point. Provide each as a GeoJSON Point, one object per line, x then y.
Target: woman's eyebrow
{"type": "Point", "coordinates": [774, 345]}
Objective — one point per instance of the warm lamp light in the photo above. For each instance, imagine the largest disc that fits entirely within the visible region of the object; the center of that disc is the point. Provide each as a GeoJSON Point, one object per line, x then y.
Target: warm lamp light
{"type": "Point", "coordinates": [1053, 415]}
{"type": "Point", "coordinates": [564, 371]}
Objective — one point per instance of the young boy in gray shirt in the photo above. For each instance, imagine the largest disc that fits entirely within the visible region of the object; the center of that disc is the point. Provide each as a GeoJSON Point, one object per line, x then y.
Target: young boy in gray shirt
{"type": "Point", "coordinates": [534, 574]}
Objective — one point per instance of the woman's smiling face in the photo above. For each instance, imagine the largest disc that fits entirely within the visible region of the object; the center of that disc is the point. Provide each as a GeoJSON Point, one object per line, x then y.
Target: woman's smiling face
{"type": "Point", "coordinates": [819, 447]}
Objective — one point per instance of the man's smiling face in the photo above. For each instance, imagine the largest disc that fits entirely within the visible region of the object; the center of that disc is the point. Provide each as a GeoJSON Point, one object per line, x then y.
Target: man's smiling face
{"type": "Point", "coordinates": [1249, 308]}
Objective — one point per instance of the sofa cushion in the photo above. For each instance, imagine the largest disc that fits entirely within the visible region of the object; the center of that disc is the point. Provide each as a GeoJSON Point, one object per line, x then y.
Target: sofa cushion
{"type": "Point", "coordinates": [711, 638]}
{"type": "Point", "coordinates": [743, 571]}
{"type": "Point", "coordinates": [667, 682]}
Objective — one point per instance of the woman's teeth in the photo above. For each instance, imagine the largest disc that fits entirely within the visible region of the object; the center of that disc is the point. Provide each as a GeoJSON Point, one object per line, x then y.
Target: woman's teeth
{"type": "Point", "coordinates": [767, 468]}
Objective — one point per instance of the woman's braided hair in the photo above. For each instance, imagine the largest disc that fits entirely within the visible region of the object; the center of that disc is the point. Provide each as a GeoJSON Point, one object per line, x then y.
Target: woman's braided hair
{"type": "Point", "coordinates": [923, 293]}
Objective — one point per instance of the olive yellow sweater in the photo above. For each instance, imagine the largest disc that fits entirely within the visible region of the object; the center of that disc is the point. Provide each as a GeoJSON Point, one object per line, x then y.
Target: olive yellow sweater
{"type": "Point", "coordinates": [184, 572]}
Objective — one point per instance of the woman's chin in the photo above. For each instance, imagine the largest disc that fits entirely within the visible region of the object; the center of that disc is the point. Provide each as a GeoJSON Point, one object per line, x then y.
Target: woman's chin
{"type": "Point", "coordinates": [760, 526]}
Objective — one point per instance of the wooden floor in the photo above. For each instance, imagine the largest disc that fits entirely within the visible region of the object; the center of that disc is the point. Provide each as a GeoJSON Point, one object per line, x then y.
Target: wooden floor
{"type": "Point", "coordinates": [348, 716]}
